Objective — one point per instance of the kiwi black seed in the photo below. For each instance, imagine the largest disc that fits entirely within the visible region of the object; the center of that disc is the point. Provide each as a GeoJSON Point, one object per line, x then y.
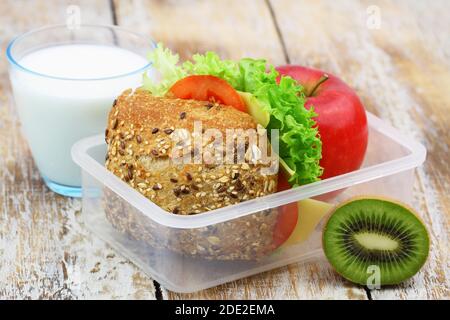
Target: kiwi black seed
{"type": "Point", "coordinates": [367, 232]}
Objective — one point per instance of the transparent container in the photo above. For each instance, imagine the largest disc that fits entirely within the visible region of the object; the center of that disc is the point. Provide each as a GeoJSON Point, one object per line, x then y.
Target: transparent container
{"type": "Point", "coordinates": [191, 253]}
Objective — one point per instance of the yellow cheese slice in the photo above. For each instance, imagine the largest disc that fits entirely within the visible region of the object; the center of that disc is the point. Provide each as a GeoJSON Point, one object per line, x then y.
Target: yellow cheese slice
{"type": "Point", "coordinates": [310, 212]}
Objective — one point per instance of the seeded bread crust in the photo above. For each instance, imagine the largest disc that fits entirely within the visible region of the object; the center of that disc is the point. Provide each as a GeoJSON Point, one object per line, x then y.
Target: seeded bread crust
{"type": "Point", "coordinates": [140, 147]}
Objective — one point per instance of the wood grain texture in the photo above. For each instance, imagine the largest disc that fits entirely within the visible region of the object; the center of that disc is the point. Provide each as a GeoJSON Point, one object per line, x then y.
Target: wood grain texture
{"type": "Point", "coordinates": [45, 253]}
{"type": "Point", "coordinates": [401, 72]}
{"type": "Point", "coordinates": [233, 29]}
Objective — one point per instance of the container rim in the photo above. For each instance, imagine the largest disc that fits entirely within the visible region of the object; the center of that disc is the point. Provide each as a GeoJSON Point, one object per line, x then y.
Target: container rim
{"type": "Point", "coordinates": [13, 62]}
{"type": "Point", "coordinates": [152, 211]}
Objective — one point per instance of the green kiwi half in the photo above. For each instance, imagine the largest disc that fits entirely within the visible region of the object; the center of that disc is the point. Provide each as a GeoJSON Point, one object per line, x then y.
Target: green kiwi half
{"type": "Point", "coordinates": [367, 232]}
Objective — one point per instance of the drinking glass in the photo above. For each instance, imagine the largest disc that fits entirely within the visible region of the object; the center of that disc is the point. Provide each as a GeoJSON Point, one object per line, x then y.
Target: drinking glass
{"type": "Point", "coordinates": [57, 111]}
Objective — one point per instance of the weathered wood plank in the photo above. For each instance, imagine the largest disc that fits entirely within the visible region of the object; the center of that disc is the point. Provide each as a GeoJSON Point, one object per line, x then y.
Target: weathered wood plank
{"type": "Point", "coordinates": [234, 29]}
{"type": "Point", "coordinates": [401, 72]}
{"type": "Point", "coordinates": [313, 280]}
{"type": "Point", "coordinates": [44, 251]}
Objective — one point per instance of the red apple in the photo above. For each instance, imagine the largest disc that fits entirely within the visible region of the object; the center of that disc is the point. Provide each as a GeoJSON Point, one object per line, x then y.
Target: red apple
{"type": "Point", "coordinates": [341, 119]}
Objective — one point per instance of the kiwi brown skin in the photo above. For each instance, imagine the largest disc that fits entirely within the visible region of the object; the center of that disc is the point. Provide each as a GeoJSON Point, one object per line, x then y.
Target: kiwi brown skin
{"type": "Point", "coordinates": [373, 197]}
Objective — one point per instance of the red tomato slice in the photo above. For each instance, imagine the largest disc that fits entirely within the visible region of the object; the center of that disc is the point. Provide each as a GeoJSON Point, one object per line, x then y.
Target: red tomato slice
{"type": "Point", "coordinates": [207, 88]}
{"type": "Point", "coordinates": [287, 215]}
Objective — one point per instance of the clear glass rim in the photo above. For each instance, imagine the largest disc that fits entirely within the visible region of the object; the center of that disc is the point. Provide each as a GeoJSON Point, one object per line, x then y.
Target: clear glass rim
{"type": "Point", "coordinates": [17, 39]}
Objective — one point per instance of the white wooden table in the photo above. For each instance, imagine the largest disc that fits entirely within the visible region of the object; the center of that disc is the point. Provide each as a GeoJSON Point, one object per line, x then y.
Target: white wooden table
{"type": "Point", "coordinates": [401, 71]}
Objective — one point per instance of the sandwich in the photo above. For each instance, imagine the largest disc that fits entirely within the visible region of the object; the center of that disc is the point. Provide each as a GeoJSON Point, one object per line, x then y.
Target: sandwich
{"type": "Point", "coordinates": [251, 86]}
{"type": "Point", "coordinates": [169, 140]}
{"type": "Point", "coordinates": [142, 148]}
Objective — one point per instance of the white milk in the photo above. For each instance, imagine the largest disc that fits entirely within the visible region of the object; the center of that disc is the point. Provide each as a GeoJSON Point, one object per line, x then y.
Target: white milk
{"type": "Point", "coordinates": [56, 113]}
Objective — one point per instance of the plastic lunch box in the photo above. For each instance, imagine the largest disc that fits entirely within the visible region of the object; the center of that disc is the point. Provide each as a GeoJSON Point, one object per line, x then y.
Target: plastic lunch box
{"type": "Point", "coordinates": [388, 170]}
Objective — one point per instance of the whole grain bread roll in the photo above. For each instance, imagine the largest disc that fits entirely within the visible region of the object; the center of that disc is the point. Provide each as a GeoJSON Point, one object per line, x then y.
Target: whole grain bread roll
{"type": "Point", "coordinates": [141, 151]}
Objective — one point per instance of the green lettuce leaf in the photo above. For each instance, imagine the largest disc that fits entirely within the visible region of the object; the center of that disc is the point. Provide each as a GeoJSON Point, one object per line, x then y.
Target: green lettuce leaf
{"type": "Point", "coordinates": [165, 63]}
{"type": "Point", "coordinates": [211, 64]}
{"type": "Point", "coordinates": [300, 146]}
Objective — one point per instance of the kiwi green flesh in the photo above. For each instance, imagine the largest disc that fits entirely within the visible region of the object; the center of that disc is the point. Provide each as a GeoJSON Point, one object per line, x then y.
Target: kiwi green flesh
{"type": "Point", "coordinates": [367, 232]}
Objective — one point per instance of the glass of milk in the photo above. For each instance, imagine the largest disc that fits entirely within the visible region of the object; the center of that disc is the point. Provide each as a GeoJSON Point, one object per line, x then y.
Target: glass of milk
{"type": "Point", "coordinates": [64, 82]}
